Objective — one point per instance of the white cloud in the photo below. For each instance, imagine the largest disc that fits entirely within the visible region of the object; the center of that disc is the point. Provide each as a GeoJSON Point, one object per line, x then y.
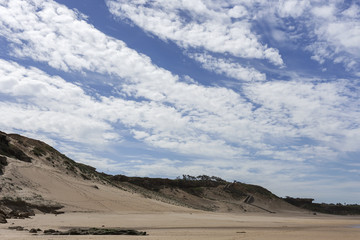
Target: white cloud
{"type": "Point", "coordinates": [42, 103]}
{"type": "Point", "coordinates": [289, 123]}
{"type": "Point", "coordinates": [174, 115]}
{"type": "Point", "coordinates": [327, 29]}
{"type": "Point", "coordinates": [201, 118]}
{"type": "Point", "coordinates": [345, 34]}
{"type": "Point", "coordinates": [228, 68]}
{"type": "Point", "coordinates": [337, 37]}
{"type": "Point", "coordinates": [326, 12]}
{"type": "Point", "coordinates": [292, 8]}
{"type": "Point", "coordinates": [333, 30]}
{"type": "Point", "coordinates": [353, 11]}
{"type": "Point", "coordinates": [207, 26]}
{"type": "Point", "coordinates": [237, 11]}
{"type": "Point", "coordinates": [49, 104]}
{"type": "Point", "coordinates": [304, 109]}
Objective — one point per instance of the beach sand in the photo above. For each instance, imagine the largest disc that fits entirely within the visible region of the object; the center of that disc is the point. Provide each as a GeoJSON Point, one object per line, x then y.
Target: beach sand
{"type": "Point", "coordinates": [194, 225]}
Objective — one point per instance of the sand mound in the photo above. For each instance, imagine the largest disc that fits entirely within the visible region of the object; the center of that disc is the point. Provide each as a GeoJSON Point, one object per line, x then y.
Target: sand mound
{"type": "Point", "coordinates": [48, 178]}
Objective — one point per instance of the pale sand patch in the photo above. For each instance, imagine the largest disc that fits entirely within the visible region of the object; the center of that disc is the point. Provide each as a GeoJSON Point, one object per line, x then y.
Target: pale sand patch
{"type": "Point", "coordinates": [196, 225]}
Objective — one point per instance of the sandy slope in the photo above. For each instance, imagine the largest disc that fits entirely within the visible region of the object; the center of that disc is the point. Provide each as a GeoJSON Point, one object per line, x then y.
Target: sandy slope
{"type": "Point", "coordinates": [75, 193]}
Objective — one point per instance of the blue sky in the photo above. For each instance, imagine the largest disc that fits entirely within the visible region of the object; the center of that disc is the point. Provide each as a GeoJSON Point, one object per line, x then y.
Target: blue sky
{"type": "Point", "coordinates": [263, 92]}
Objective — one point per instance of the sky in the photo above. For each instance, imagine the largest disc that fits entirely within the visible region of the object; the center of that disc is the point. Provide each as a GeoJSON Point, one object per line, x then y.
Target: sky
{"type": "Point", "coordinates": [265, 92]}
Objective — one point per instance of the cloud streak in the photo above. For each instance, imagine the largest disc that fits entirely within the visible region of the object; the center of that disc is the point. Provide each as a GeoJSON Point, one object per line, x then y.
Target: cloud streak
{"type": "Point", "coordinates": [198, 24]}
{"type": "Point", "coordinates": [332, 29]}
{"type": "Point", "coordinates": [228, 68]}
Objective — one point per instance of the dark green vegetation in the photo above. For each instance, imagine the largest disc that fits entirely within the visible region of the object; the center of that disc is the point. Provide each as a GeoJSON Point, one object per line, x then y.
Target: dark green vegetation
{"type": "Point", "coordinates": [83, 231]}
{"type": "Point", "coordinates": [203, 192]}
{"type": "Point", "coordinates": [94, 231]}
{"type": "Point", "coordinates": [37, 151]}
{"type": "Point", "coordinates": [87, 172]}
{"type": "Point", "coordinates": [7, 149]}
{"type": "Point", "coordinates": [188, 183]}
{"type": "Point", "coordinates": [193, 185]}
{"type": "Point", "coordinates": [338, 209]}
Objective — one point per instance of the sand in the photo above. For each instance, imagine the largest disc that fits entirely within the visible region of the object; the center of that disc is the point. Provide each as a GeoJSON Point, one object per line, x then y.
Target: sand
{"type": "Point", "coordinates": [196, 225]}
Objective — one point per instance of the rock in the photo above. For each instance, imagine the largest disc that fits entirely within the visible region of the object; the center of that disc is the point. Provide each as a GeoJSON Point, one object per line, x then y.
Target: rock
{"type": "Point", "coordinates": [51, 232]}
{"type": "Point", "coordinates": [3, 160]}
{"type": "Point", "coordinates": [33, 230]}
{"type": "Point", "coordinates": [17, 228]}
{"type": "Point", "coordinates": [2, 217]}
{"type": "Point", "coordinates": [23, 215]}
{"type": "Point", "coordinates": [5, 210]}
{"type": "Point", "coordinates": [3, 163]}
{"type": "Point", "coordinates": [95, 231]}
{"type": "Point", "coordinates": [57, 212]}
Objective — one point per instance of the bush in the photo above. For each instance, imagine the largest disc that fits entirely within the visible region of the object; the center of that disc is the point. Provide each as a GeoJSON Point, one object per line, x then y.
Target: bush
{"type": "Point", "coordinates": [37, 151]}
{"type": "Point", "coordinates": [10, 150]}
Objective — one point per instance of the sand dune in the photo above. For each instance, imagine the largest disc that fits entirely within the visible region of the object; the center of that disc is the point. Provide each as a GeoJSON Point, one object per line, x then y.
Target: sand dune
{"type": "Point", "coordinates": [80, 195]}
{"type": "Point", "coordinates": [77, 195]}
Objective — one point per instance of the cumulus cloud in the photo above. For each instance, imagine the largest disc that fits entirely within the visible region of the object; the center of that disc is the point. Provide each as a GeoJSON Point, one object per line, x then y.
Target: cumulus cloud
{"type": "Point", "coordinates": [197, 24]}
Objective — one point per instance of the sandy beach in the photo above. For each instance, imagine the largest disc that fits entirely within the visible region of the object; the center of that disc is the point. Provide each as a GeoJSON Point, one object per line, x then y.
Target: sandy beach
{"type": "Point", "coordinates": [193, 225]}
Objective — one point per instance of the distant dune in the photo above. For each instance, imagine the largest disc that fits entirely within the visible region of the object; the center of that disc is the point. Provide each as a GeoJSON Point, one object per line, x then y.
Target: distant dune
{"type": "Point", "coordinates": [43, 176]}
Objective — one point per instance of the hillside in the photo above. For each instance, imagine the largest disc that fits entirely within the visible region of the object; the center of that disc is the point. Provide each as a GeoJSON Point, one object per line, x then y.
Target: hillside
{"type": "Point", "coordinates": [34, 177]}
{"type": "Point", "coordinates": [337, 209]}
{"type": "Point", "coordinates": [209, 193]}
